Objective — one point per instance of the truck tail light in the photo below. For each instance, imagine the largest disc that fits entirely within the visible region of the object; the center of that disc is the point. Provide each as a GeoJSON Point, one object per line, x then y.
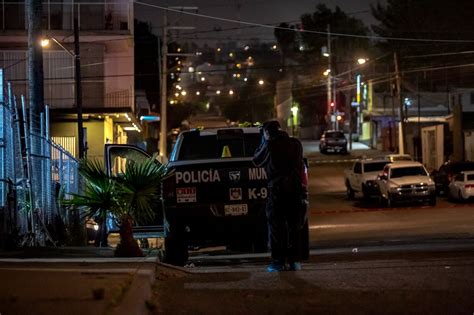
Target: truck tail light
{"type": "Point", "coordinates": [469, 186]}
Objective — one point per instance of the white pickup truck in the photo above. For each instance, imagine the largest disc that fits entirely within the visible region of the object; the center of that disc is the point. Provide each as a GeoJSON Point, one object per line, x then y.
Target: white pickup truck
{"type": "Point", "coordinates": [406, 181]}
{"type": "Point", "coordinates": [362, 175]}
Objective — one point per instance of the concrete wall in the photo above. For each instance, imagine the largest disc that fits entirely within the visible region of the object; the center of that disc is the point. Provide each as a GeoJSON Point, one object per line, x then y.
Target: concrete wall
{"type": "Point", "coordinates": [119, 66]}
{"type": "Point", "coordinates": [98, 131]}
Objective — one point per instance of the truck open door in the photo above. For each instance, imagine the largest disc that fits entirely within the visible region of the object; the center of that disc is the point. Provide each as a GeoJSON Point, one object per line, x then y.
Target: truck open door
{"type": "Point", "coordinates": [116, 157]}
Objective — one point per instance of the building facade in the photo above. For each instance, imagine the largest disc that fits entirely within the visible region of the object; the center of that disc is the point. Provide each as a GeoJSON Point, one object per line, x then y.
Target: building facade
{"type": "Point", "coordinates": [106, 39]}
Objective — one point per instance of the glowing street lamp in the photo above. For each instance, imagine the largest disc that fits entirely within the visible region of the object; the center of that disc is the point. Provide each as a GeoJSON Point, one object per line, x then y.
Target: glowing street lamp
{"type": "Point", "coordinates": [362, 61]}
{"type": "Point", "coordinates": [261, 82]}
{"type": "Point", "coordinates": [231, 92]}
{"type": "Point", "coordinates": [218, 92]}
{"type": "Point", "coordinates": [45, 42]}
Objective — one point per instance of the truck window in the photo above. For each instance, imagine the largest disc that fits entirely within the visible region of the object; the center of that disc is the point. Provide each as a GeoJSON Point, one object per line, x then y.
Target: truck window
{"type": "Point", "coordinates": [197, 147]}
{"type": "Point", "coordinates": [374, 167]}
{"type": "Point", "coordinates": [408, 171]}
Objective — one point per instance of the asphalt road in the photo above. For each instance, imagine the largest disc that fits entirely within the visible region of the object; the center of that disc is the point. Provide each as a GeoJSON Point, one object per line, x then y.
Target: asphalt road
{"type": "Point", "coordinates": [398, 282]}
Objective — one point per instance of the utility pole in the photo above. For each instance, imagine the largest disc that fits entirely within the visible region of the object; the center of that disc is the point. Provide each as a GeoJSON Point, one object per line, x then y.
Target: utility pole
{"type": "Point", "coordinates": [164, 76]}
{"type": "Point", "coordinates": [164, 98]}
{"type": "Point", "coordinates": [329, 73]}
{"type": "Point", "coordinates": [77, 60]}
{"type": "Point", "coordinates": [401, 124]}
{"type": "Point", "coordinates": [35, 67]}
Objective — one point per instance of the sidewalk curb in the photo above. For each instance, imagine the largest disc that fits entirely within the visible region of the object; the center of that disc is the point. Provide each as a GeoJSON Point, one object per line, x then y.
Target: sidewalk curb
{"type": "Point", "coordinates": [137, 294]}
{"type": "Point", "coordinates": [134, 301]}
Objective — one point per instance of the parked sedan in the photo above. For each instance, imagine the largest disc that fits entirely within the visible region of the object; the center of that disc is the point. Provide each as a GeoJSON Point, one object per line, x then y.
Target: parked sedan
{"type": "Point", "coordinates": [333, 141]}
{"type": "Point", "coordinates": [446, 173]}
{"type": "Point", "coordinates": [462, 186]}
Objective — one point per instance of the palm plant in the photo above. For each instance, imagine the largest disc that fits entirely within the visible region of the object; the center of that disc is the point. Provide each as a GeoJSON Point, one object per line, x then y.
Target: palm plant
{"type": "Point", "coordinates": [129, 197]}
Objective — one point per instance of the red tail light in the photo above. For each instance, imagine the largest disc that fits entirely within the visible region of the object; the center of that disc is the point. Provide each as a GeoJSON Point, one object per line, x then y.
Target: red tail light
{"type": "Point", "coordinates": [469, 186]}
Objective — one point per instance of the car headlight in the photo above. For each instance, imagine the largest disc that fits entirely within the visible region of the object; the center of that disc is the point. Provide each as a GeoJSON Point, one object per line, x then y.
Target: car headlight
{"type": "Point", "coordinates": [395, 189]}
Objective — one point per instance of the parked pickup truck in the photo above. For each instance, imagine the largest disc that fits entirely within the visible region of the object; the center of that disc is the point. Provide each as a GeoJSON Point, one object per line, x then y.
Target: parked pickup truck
{"type": "Point", "coordinates": [406, 181]}
{"type": "Point", "coordinates": [215, 194]}
{"type": "Point", "coordinates": [362, 175]}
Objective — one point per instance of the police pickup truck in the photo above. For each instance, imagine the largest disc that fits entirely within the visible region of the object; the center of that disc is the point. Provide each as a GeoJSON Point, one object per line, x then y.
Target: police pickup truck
{"type": "Point", "coordinates": [214, 195]}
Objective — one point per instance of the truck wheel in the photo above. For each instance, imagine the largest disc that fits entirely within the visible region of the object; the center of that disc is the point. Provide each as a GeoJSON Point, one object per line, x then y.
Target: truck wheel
{"type": "Point", "coordinates": [176, 248]}
{"type": "Point", "coordinates": [389, 202]}
{"type": "Point", "coordinates": [461, 198]}
{"type": "Point", "coordinates": [382, 201]}
{"type": "Point", "coordinates": [432, 201]}
{"type": "Point", "coordinates": [350, 192]}
{"type": "Point", "coordinates": [260, 240]}
{"type": "Point", "coordinates": [365, 193]}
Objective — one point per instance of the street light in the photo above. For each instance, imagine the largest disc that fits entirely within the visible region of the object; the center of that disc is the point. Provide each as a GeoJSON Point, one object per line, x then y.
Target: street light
{"type": "Point", "coordinates": [261, 82]}
{"type": "Point", "coordinates": [45, 42]}
{"type": "Point", "coordinates": [362, 61]}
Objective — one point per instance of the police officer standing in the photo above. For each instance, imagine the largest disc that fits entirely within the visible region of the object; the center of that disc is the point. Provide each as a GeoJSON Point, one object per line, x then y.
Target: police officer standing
{"type": "Point", "coordinates": [282, 157]}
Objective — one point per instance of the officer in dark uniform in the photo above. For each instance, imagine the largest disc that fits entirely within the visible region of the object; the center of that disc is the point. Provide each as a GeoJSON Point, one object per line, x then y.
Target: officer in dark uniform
{"type": "Point", "coordinates": [282, 157]}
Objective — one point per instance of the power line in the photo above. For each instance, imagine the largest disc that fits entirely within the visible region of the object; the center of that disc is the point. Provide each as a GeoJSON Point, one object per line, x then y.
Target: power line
{"type": "Point", "coordinates": [305, 31]}
{"type": "Point", "coordinates": [441, 54]}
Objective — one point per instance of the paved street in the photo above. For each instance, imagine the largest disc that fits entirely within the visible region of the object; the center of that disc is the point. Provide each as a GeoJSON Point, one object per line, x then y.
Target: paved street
{"type": "Point", "coordinates": [391, 282]}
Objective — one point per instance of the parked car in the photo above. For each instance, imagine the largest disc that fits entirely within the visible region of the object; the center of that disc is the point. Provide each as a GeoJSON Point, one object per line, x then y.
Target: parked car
{"type": "Point", "coordinates": [362, 175]}
{"type": "Point", "coordinates": [405, 181]}
{"type": "Point", "coordinates": [462, 186]}
{"type": "Point", "coordinates": [332, 140]}
{"type": "Point", "coordinates": [446, 173]}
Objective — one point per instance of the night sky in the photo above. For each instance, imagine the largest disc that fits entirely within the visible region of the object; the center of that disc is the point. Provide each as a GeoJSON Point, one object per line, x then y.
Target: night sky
{"type": "Point", "coordinates": [258, 11]}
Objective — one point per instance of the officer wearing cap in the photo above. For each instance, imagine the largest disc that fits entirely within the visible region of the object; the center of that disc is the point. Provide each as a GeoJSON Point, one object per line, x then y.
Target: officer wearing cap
{"type": "Point", "coordinates": [282, 157]}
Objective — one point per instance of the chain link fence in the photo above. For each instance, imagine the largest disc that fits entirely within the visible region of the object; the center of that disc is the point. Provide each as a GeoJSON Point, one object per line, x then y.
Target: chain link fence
{"type": "Point", "coordinates": [35, 173]}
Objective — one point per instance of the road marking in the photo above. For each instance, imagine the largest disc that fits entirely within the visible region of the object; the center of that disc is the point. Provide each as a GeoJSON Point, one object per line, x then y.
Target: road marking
{"type": "Point", "coordinates": [352, 210]}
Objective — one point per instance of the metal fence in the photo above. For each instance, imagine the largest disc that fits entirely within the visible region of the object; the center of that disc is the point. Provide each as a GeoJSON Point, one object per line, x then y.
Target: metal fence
{"type": "Point", "coordinates": [34, 174]}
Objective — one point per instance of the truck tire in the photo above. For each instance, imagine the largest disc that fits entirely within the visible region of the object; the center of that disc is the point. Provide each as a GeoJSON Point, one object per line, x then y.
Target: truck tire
{"type": "Point", "coordinates": [176, 248]}
{"type": "Point", "coordinates": [382, 201]}
{"type": "Point", "coordinates": [260, 239]}
{"type": "Point", "coordinates": [350, 192]}
{"type": "Point", "coordinates": [389, 202]}
{"type": "Point", "coordinates": [432, 201]}
{"type": "Point", "coordinates": [365, 193]}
